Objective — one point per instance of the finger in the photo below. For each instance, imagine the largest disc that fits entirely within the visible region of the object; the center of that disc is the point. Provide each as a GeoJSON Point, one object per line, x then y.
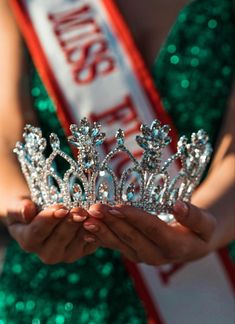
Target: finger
{"type": "Point", "coordinates": [79, 248]}
{"type": "Point", "coordinates": [90, 247]}
{"type": "Point", "coordinates": [126, 239]}
{"type": "Point", "coordinates": [29, 211]}
{"type": "Point", "coordinates": [39, 229]}
{"type": "Point", "coordinates": [79, 214]}
{"type": "Point", "coordinates": [194, 218]}
{"type": "Point", "coordinates": [98, 210]}
{"type": "Point", "coordinates": [100, 232]}
{"type": "Point", "coordinates": [55, 245]}
{"type": "Point", "coordinates": [151, 226]}
{"type": "Point", "coordinates": [31, 236]}
{"type": "Point", "coordinates": [21, 211]}
{"type": "Point", "coordinates": [107, 238]}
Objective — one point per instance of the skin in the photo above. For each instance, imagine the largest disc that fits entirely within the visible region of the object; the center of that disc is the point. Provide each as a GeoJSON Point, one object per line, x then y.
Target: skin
{"type": "Point", "coordinates": [43, 232]}
{"type": "Point", "coordinates": [38, 232]}
{"type": "Point", "coordinates": [196, 232]}
{"type": "Point", "coordinates": [138, 235]}
{"type": "Point", "coordinates": [149, 239]}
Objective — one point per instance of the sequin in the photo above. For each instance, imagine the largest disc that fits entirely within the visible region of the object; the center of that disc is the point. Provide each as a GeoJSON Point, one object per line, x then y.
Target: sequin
{"type": "Point", "coordinates": [185, 83]}
{"type": "Point", "coordinates": [194, 62]}
{"type": "Point", "coordinates": [212, 23]}
{"type": "Point", "coordinates": [226, 70]}
{"type": "Point", "coordinates": [68, 307]}
{"type": "Point", "coordinates": [30, 305]}
{"type": "Point", "coordinates": [60, 319]}
{"type": "Point", "coordinates": [36, 321]}
{"type": "Point", "coordinates": [35, 92]}
{"type": "Point", "coordinates": [73, 278]}
{"type": "Point", "coordinates": [107, 269]}
{"type": "Point", "coordinates": [195, 50]}
{"type": "Point", "coordinates": [174, 59]}
{"type": "Point", "coordinates": [171, 48]}
{"type": "Point", "coordinates": [19, 306]}
{"type": "Point", "coordinates": [10, 300]}
{"type": "Point", "coordinates": [17, 268]}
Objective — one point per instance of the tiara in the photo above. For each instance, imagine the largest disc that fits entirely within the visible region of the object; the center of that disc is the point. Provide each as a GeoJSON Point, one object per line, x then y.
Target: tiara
{"type": "Point", "coordinates": [145, 183]}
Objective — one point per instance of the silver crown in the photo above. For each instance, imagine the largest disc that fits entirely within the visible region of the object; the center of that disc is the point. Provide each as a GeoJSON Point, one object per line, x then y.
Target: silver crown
{"type": "Point", "coordinates": [145, 184]}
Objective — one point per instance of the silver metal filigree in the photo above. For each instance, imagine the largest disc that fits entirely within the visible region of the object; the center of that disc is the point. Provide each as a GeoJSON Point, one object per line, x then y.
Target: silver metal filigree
{"type": "Point", "coordinates": [145, 184]}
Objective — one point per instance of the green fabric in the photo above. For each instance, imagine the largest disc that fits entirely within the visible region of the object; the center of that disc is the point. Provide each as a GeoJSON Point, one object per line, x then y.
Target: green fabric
{"type": "Point", "coordinates": [93, 290]}
{"type": "Point", "coordinates": [193, 74]}
{"type": "Point", "coordinates": [194, 71]}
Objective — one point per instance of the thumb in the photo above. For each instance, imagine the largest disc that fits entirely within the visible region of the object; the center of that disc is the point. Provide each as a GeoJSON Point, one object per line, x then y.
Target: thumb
{"type": "Point", "coordinates": [197, 220]}
{"type": "Point", "coordinates": [21, 211]}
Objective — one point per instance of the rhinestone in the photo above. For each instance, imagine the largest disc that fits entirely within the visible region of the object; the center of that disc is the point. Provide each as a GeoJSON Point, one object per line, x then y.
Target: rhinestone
{"type": "Point", "coordinates": [77, 192]}
{"type": "Point", "coordinates": [155, 132]}
{"type": "Point", "coordinates": [54, 141]}
{"type": "Point", "coordinates": [156, 187]}
{"type": "Point", "coordinates": [54, 193]}
{"type": "Point", "coordinates": [130, 193]}
{"type": "Point", "coordinates": [85, 130]}
{"type": "Point", "coordinates": [103, 192]}
{"type": "Point", "coordinates": [95, 132]}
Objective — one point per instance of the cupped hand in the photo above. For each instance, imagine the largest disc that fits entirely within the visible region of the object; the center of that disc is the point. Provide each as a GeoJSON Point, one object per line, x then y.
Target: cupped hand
{"type": "Point", "coordinates": [143, 237]}
{"type": "Point", "coordinates": [54, 234]}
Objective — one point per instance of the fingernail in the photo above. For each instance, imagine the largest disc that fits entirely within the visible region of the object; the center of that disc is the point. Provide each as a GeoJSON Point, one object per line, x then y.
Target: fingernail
{"type": "Point", "coordinates": [75, 210]}
{"type": "Point", "coordinates": [23, 213]}
{"type": "Point", "coordinates": [181, 208]}
{"type": "Point", "coordinates": [117, 213]}
{"type": "Point", "coordinates": [79, 210]}
{"type": "Point", "coordinates": [96, 214]}
{"type": "Point", "coordinates": [60, 213]}
{"type": "Point", "coordinates": [78, 218]}
{"type": "Point", "coordinates": [89, 239]}
{"type": "Point", "coordinates": [91, 227]}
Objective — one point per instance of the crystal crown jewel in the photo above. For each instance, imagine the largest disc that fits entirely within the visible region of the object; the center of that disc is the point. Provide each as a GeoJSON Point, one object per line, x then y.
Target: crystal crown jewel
{"type": "Point", "coordinates": [145, 184]}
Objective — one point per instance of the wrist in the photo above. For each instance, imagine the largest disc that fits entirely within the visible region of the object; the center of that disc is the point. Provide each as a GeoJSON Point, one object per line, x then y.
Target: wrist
{"type": "Point", "coordinates": [215, 241]}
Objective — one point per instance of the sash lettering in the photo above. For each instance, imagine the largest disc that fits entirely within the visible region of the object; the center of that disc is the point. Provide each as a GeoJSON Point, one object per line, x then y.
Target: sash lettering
{"type": "Point", "coordinates": [83, 43]}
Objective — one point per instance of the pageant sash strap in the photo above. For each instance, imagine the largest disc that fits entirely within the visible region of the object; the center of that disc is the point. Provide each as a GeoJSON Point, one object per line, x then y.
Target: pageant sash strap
{"type": "Point", "coordinates": [91, 67]}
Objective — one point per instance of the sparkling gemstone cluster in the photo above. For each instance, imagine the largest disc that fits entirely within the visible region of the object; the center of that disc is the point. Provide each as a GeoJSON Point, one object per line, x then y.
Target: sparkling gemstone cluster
{"type": "Point", "coordinates": [145, 184]}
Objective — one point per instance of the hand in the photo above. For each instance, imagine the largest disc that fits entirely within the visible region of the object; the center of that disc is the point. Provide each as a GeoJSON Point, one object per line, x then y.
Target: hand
{"type": "Point", "coordinates": [143, 237]}
{"type": "Point", "coordinates": [54, 234]}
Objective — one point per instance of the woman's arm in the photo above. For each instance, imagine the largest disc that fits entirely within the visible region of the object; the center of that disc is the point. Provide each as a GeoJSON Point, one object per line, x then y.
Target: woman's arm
{"type": "Point", "coordinates": [14, 108]}
{"type": "Point", "coordinates": [51, 233]}
{"type": "Point", "coordinates": [217, 192]}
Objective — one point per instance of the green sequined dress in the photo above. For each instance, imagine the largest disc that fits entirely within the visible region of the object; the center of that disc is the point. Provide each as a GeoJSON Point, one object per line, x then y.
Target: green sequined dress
{"type": "Point", "coordinates": [193, 73]}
